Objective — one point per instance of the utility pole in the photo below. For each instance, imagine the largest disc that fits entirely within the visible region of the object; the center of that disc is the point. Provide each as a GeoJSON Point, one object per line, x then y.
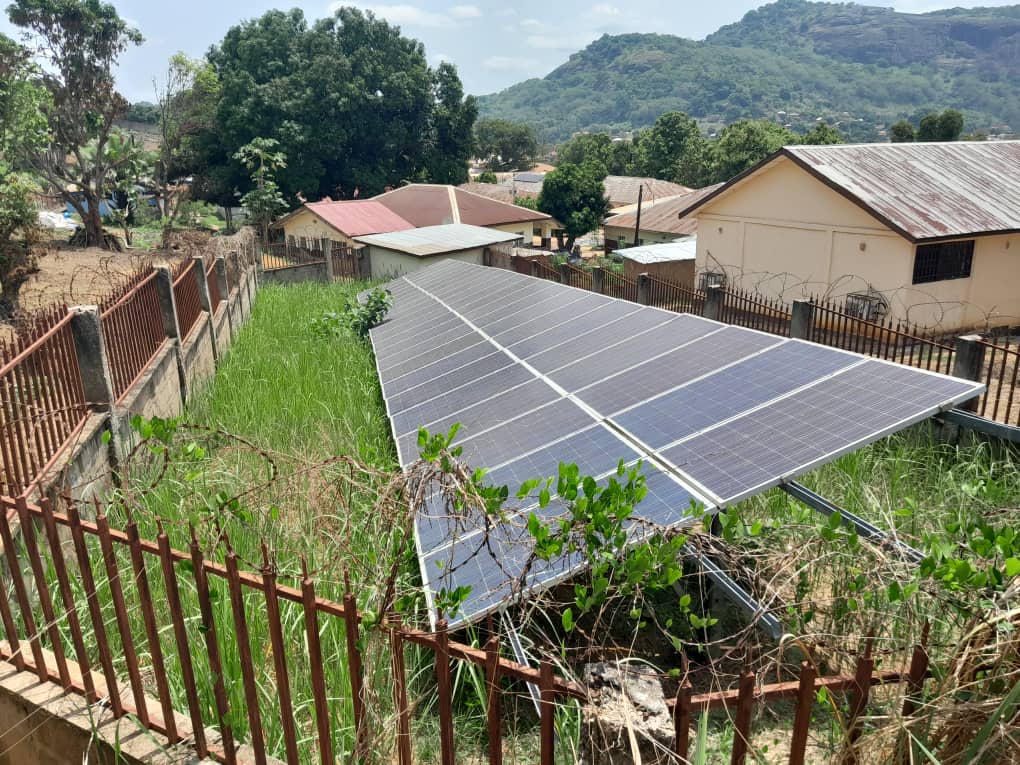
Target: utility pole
{"type": "Point", "coordinates": [637, 223]}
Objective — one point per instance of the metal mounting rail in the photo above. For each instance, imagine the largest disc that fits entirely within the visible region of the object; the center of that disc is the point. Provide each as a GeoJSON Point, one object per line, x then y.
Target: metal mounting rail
{"type": "Point", "coordinates": [738, 595]}
{"type": "Point", "coordinates": [867, 530]}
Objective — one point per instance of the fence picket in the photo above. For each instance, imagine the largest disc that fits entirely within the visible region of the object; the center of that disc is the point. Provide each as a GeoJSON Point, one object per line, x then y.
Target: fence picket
{"type": "Point", "coordinates": [445, 694]}
{"type": "Point", "coordinates": [802, 716]}
{"type": "Point", "coordinates": [173, 597]}
{"type": "Point", "coordinates": [251, 696]}
{"type": "Point", "coordinates": [95, 612]}
{"type": "Point", "coordinates": [400, 694]}
{"type": "Point", "coordinates": [315, 662]}
{"type": "Point", "coordinates": [121, 616]}
{"type": "Point", "coordinates": [212, 648]}
{"type": "Point", "coordinates": [279, 648]}
{"type": "Point", "coordinates": [151, 630]}
{"type": "Point", "coordinates": [742, 723]}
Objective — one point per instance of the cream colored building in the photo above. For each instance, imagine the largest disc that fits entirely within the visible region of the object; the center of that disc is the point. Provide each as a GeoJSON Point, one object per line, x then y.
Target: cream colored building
{"type": "Point", "coordinates": [339, 221]}
{"type": "Point", "coordinates": [927, 233]}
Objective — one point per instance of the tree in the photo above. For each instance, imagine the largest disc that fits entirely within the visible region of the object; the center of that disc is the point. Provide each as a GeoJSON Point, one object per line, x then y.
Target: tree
{"type": "Point", "coordinates": [352, 103]}
{"type": "Point", "coordinates": [822, 134]}
{"type": "Point", "coordinates": [901, 132]}
{"type": "Point", "coordinates": [574, 195]}
{"type": "Point", "coordinates": [22, 131]}
{"type": "Point", "coordinates": [487, 177]}
{"type": "Point", "coordinates": [185, 106]}
{"type": "Point", "coordinates": [928, 128]}
{"type": "Point", "coordinates": [264, 202]}
{"type": "Point", "coordinates": [503, 145]}
{"type": "Point", "coordinates": [452, 128]}
{"type": "Point", "coordinates": [950, 125]}
{"type": "Point", "coordinates": [744, 144]}
{"type": "Point", "coordinates": [79, 41]}
{"type": "Point", "coordinates": [130, 163]}
{"type": "Point", "coordinates": [673, 149]}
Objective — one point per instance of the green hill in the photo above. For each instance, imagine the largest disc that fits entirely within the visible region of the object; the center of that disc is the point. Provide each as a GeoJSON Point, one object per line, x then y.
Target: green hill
{"type": "Point", "coordinates": [792, 61]}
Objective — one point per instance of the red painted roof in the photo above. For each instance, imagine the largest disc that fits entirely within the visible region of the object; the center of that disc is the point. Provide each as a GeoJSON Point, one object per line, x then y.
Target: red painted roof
{"type": "Point", "coordinates": [358, 217]}
{"type": "Point", "coordinates": [426, 204]}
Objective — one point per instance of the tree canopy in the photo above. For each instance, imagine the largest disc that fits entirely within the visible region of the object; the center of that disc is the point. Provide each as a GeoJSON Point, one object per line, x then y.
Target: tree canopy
{"type": "Point", "coordinates": [503, 145]}
{"type": "Point", "coordinates": [352, 103]}
{"type": "Point", "coordinates": [575, 196]}
{"type": "Point", "coordinates": [80, 41]}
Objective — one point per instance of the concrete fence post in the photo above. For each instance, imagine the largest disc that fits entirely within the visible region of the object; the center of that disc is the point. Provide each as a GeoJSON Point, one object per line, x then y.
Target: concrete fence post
{"type": "Point", "coordinates": [643, 287]}
{"type": "Point", "coordinates": [167, 305]}
{"type": "Point", "coordinates": [968, 363]}
{"type": "Point", "coordinates": [802, 319]}
{"type": "Point", "coordinates": [564, 270]}
{"type": "Point", "coordinates": [171, 327]}
{"type": "Point", "coordinates": [327, 250]}
{"type": "Point", "coordinates": [90, 348]}
{"type": "Point", "coordinates": [598, 280]}
{"type": "Point", "coordinates": [364, 255]}
{"type": "Point", "coordinates": [534, 267]}
{"type": "Point", "coordinates": [713, 303]}
{"type": "Point", "coordinates": [198, 265]}
{"type": "Point", "coordinates": [221, 281]}
{"type": "Point", "coordinates": [486, 257]}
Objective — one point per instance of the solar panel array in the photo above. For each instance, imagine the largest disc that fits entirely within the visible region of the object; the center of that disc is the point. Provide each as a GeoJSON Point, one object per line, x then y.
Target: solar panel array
{"type": "Point", "coordinates": [538, 373]}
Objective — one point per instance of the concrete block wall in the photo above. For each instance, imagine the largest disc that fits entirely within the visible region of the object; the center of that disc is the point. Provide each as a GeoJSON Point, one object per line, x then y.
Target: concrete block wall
{"type": "Point", "coordinates": [177, 372]}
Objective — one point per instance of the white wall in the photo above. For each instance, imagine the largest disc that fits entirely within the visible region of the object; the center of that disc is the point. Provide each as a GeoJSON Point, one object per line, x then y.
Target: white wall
{"type": "Point", "coordinates": [390, 263]}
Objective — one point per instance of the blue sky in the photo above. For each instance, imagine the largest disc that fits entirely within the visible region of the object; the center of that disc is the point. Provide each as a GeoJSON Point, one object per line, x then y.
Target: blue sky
{"type": "Point", "coordinates": [494, 44]}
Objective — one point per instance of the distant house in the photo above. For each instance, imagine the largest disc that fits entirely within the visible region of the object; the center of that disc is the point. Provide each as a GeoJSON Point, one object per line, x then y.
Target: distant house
{"type": "Point", "coordinates": [660, 221]}
{"type": "Point", "coordinates": [339, 221]}
{"type": "Point", "coordinates": [426, 204]}
{"type": "Point", "coordinates": [623, 190]}
{"type": "Point", "coordinates": [923, 232]}
{"type": "Point", "coordinates": [403, 252]}
{"type": "Point", "coordinates": [498, 191]}
{"type": "Point", "coordinates": [672, 261]}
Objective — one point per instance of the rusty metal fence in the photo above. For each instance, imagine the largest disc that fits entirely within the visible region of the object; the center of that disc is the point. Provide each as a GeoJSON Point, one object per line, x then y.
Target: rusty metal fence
{"type": "Point", "coordinates": [675, 297]}
{"type": "Point", "coordinates": [133, 331]}
{"type": "Point", "coordinates": [42, 401]}
{"type": "Point", "coordinates": [576, 277]}
{"type": "Point", "coordinates": [749, 309]}
{"type": "Point", "coordinates": [619, 286]}
{"type": "Point", "coordinates": [178, 640]}
{"type": "Point", "coordinates": [1001, 374]}
{"type": "Point", "coordinates": [542, 271]}
{"type": "Point", "coordinates": [115, 581]}
{"type": "Point", "coordinates": [344, 262]}
{"type": "Point", "coordinates": [187, 298]}
{"type": "Point", "coordinates": [895, 341]}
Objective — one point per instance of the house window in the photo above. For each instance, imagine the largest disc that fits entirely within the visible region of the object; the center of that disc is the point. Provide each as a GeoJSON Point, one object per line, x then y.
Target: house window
{"type": "Point", "coordinates": [946, 260]}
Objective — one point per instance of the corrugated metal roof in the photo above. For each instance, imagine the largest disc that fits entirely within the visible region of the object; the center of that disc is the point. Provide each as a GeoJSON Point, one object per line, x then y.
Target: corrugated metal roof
{"type": "Point", "coordinates": [426, 204]}
{"type": "Point", "coordinates": [923, 191]}
{"type": "Point", "coordinates": [623, 189]}
{"type": "Point", "coordinates": [683, 249]}
{"type": "Point", "coordinates": [662, 216]}
{"type": "Point", "coordinates": [437, 240]}
{"type": "Point", "coordinates": [496, 191]}
{"type": "Point", "coordinates": [927, 190]}
{"type": "Point", "coordinates": [357, 217]}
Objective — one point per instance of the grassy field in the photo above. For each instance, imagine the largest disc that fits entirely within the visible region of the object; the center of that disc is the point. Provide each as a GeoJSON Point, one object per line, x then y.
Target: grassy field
{"type": "Point", "coordinates": [254, 460]}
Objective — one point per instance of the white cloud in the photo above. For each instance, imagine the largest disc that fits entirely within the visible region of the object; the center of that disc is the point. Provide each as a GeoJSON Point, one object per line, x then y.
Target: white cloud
{"type": "Point", "coordinates": [605, 9]}
{"type": "Point", "coordinates": [465, 12]}
{"type": "Point", "coordinates": [532, 24]}
{"type": "Point", "coordinates": [509, 63]}
{"type": "Point", "coordinates": [402, 14]}
{"type": "Point", "coordinates": [545, 42]}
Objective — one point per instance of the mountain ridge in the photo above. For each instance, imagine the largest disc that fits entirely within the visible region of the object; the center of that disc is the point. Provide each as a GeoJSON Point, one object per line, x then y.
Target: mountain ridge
{"type": "Point", "coordinates": [795, 61]}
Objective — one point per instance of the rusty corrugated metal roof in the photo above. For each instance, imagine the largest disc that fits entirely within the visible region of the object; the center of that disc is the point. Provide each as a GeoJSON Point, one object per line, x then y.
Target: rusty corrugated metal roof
{"type": "Point", "coordinates": [359, 216]}
{"type": "Point", "coordinates": [662, 217]}
{"type": "Point", "coordinates": [427, 204]}
{"type": "Point", "coordinates": [923, 191]}
{"type": "Point", "coordinates": [926, 190]}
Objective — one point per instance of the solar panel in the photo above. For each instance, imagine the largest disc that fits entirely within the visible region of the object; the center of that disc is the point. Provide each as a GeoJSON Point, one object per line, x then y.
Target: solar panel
{"type": "Point", "coordinates": [539, 373]}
